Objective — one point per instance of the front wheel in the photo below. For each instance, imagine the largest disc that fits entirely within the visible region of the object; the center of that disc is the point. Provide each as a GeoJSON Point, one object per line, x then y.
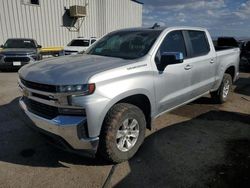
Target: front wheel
{"type": "Point", "coordinates": [122, 133]}
{"type": "Point", "coordinates": [221, 95]}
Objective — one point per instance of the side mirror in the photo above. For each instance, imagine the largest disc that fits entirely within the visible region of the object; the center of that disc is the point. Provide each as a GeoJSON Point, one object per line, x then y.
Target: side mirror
{"type": "Point", "coordinates": [1, 46]}
{"type": "Point", "coordinates": [170, 58]}
{"type": "Point", "coordinates": [39, 46]}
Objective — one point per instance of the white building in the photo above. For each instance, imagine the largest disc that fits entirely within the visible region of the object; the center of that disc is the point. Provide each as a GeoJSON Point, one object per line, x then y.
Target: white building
{"type": "Point", "coordinates": [49, 21]}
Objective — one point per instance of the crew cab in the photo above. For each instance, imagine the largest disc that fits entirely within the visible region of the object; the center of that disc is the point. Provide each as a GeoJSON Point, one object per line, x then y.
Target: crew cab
{"type": "Point", "coordinates": [78, 45]}
{"type": "Point", "coordinates": [17, 52]}
{"type": "Point", "coordinates": [103, 100]}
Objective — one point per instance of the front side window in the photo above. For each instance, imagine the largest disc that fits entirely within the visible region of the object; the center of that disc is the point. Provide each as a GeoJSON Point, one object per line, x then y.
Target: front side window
{"type": "Point", "coordinates": [199, 43]}
{"type": "Point", "coordinates": [125, 44]}
{"type": "Point", "coordinates": [173, 42]}
{"type": "Point", "coordinates": [84, 43]}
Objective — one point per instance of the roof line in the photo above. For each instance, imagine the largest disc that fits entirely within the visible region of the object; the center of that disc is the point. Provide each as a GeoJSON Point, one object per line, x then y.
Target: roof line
{"type": "Point", "coordinates": [138, 2]}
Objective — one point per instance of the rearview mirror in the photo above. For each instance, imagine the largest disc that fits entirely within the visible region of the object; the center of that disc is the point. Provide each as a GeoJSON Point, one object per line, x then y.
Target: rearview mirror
{"type": "Point", "coordinates": [170, 58]}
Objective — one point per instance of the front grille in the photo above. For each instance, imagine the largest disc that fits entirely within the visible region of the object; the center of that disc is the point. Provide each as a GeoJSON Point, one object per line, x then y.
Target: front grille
{"type": "Point", "coordinates": [21, 59]}
{"type": "Point", "coordinates": [40, 109]}
{"type": "Point", "coordinates": [50, 112]}
{"type": "Point", "coordinates": [38, 86]}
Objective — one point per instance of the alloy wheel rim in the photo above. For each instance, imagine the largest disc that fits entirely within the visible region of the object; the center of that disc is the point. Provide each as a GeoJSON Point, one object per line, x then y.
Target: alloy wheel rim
{"type": "Point", "coordinates": [226, 89]}
{"type": "Point", "coordinates": [127, 134]}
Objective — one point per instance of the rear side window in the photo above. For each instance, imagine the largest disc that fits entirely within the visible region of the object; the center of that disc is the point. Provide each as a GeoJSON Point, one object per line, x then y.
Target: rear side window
{"type": "Point", "coordinates": [199, 43]}
{"type": "Point", "coordinates": [173, 42]}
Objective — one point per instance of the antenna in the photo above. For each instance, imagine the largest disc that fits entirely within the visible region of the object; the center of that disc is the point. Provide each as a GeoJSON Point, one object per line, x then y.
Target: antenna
{"type": "Point", "coordinates": [155, 26]}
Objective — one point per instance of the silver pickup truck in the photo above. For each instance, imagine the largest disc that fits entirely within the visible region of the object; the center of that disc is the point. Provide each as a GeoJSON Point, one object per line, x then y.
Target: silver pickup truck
{"type": "Point", "coordinates": [102, 101]}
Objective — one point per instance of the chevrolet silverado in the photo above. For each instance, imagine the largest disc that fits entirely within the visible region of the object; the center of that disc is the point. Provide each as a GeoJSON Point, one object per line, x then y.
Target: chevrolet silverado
{"type": "Point", "coordinates": [102, 101]}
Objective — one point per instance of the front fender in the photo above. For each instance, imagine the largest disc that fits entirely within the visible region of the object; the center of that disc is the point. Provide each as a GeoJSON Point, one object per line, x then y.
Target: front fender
{"type": "Point", "coordinates": [120, 97]}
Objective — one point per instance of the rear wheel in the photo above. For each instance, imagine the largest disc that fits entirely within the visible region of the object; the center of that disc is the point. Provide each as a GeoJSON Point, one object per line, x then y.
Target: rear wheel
{"type": "Point", "coordinates": [221, 95]}
{"type": "Point", "coordinates": [123, 132]}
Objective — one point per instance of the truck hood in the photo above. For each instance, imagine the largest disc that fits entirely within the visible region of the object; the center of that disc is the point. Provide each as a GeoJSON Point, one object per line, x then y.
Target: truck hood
{"type": "Point", "coordinates": [18, 51]}
{"type": "Point", "coordinates": [69, 70]}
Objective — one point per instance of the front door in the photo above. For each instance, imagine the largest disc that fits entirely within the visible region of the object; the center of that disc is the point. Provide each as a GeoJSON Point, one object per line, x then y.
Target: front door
{"type": "Point", "coordinates": [172, 86]}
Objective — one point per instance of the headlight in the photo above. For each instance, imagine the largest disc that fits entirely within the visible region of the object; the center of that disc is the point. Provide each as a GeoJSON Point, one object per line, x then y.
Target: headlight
{"type": "Point", "coordinates": [85, 89]}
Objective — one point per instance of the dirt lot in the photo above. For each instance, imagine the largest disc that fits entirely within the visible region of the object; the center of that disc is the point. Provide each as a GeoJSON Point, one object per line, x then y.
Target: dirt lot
{"type": "Point", "coordinates": [207, 145]}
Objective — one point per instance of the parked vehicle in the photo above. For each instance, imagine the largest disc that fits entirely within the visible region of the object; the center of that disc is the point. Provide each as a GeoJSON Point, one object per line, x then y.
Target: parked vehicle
{"type": "Point", "coordinates": [104, 100]}
{"type": "Point", "coordinates": [78, 45]}
{"type": "Point", "coordinates": [227, 42]}
{"type": "Point", "coordinates": [245, 55]}
{"type": "Point", "coordinates": [17, 52]}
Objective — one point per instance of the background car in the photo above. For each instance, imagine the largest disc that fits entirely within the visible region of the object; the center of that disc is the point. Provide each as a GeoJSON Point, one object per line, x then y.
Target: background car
{"type": "Point", "coordinates": [78, 45]}
{"type": "Point", "coordinates": [245, 55]}
{"type": "Point", "coordinates": [17, 52]}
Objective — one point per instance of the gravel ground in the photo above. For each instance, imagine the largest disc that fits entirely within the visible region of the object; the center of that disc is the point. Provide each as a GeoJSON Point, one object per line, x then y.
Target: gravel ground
{"type": "Point", "coordinates": [198, 145]}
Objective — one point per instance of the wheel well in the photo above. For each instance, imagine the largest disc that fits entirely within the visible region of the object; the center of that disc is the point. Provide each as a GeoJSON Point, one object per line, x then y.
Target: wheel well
{"type": "Point", "coordinates": [142, 102]}
{"type": "Point", "coordinates": [231, 71]}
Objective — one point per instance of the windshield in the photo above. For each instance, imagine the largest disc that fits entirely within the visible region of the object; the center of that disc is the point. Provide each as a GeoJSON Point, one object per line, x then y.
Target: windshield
{"type": "Point", "coordinates": [79, 43]}
{"type": "Point", "coordinates": [19, 43]}
{"type": "Point", "coordinates": [125, 44]}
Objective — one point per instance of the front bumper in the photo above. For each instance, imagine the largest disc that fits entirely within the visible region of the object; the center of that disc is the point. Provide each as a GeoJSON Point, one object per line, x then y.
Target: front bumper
{"type": "Point", "coordinates": [67, 52]}
{"type": "Point", "coordinates": [67, 128]}
{"type": "Point", "coordinates": [15, 62]}
{"type": "Point", "coordinates": [9, 65]}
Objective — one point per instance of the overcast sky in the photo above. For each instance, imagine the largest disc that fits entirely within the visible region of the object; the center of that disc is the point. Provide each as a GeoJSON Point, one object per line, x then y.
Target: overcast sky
{"type": "Point", "coordinates": [221, 17]}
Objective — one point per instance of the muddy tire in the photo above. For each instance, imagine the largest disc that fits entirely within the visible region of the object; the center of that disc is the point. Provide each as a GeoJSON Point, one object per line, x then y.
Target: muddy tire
{"type": "Point", "coordinates": [122, 133]}
{"type": "Point", "coordinates": [221, 95]}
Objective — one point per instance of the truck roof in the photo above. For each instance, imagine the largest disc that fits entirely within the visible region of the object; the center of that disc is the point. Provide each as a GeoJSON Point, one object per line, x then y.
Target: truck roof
{"type": "Point", "coordinates": [20, 39]}
{"type": "Point", "coordinates": [163, 28]}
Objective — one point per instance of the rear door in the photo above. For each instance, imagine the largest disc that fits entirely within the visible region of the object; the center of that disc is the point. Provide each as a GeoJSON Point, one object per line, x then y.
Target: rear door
{"type": "Point", "coordinates": [203, 60]}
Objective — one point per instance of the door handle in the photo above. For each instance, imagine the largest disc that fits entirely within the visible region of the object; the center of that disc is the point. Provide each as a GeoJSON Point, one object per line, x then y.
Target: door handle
{"type": "Point", "coordinates": [212, 61]}
{"type": "Point", "coordinates": [188, 67]}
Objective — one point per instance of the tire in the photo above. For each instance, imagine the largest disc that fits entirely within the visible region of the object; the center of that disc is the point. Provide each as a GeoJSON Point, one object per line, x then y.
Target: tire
{"type": "Point", "coordinates": [113, 146]}
{"type": "Point", "coordinates": [221, 95]}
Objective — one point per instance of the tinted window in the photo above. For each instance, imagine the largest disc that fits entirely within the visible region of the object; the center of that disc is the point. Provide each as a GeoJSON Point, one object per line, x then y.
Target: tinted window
{"type": "Point", "coordinates": [199, 43]}
{"type": "Point", "coordinates": [173, 42]}
{"type": "Point", "coordinates": [79, 43]}
{"type": "Point", "coordinates": [125, 44]}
